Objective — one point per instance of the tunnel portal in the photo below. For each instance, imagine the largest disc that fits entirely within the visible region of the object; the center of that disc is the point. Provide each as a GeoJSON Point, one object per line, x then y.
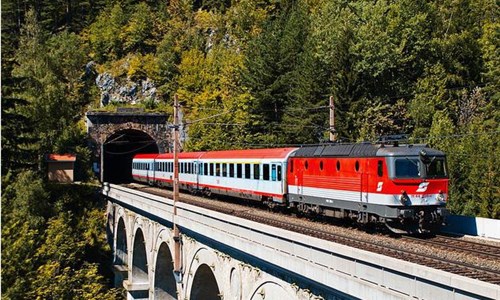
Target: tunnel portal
{"type": "Point", "coordinates": [115, 137]}
{"type": "Point", "coordinates": [119, 150]}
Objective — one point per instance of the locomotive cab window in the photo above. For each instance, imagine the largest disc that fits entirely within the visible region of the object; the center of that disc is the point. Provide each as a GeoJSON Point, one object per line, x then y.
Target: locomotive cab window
{"type": "Point", "coordinates": [380, 168]}
{"type": "Point", "coordinates": [356, 166]}
{"type": "Point", "coordinates": [407, 167]}
{"type": "Point", "coordinates": [436, 168]}
{"type": "Point", "coordinates": [338, 165]}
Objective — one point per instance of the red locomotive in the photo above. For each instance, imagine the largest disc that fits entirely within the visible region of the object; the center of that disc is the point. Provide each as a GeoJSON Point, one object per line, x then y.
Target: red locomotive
{"type": "Point", "coordinates": [405, 187]}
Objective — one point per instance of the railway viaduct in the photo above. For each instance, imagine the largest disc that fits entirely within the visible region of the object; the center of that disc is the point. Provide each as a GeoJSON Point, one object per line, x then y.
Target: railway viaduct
{"type": "Point", "coordinates": [225, 257]}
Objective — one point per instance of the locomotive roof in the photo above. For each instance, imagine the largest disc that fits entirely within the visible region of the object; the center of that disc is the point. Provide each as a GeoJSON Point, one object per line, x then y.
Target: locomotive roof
{"type": "Point", "coordinates": [363, 150]}
{"type": "Point", "coordinates": [408, 150]}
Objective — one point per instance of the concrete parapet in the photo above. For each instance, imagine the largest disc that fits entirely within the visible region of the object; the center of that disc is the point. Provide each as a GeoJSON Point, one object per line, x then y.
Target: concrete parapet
{"type": "Point", "coordinates": [483, 227]}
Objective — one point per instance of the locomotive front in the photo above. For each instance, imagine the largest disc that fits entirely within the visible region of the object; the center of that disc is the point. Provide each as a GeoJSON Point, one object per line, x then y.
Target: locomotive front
{"type": "Point", "coordinates": [417, 182]}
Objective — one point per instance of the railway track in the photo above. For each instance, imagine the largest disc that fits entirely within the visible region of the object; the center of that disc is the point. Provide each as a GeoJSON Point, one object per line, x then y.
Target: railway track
{"type": "Point", "coordinates": [443, 243]}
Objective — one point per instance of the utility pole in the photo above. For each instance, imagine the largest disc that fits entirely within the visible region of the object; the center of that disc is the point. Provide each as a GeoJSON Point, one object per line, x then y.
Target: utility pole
{"type": "Point", "coordinates": [333, 133]}
{"type": "Point", "coordinates": [177, 239]}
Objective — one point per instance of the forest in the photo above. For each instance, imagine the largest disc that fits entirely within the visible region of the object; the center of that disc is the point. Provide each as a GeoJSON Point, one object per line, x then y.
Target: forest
{"type": "Point", "coordinates": [249, 74]}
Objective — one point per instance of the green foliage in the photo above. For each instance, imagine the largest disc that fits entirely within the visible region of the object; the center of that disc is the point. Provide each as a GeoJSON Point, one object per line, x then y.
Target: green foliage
{"type": "Point", "coordinates": [138, 29]}
{"type": "Point", "coordinates": [19, 245]}
{"type": "Point", "coordinates": [53, 240]}
{"type": "Point", "coordinates": [27, 199]}
{"type": "Point", "coordinates": [104, 37]}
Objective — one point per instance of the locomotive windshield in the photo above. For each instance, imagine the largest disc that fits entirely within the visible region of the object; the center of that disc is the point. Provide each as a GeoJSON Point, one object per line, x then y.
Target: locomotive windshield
{"type": "Point", "coordinates": [436, 168]}
{"type": "Point", "coordinates": [408, 167]}
{"type": "Point", "coordinates": [415, 167]}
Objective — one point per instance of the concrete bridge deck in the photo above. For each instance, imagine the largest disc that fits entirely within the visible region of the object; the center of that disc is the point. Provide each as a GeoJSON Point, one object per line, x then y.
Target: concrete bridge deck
{"type": "Point", "coordinates": [269, 263]}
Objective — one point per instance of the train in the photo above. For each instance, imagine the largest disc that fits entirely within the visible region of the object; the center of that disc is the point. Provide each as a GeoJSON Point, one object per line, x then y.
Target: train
{"type": "Point", "coordinates": [404, 187]}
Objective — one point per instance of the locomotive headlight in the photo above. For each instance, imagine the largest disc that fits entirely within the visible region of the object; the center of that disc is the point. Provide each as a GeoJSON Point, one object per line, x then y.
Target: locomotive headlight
{"type": "Point", "coordinates": [441, 197]}
{"type": "Point", "coordinates": [403, 198]}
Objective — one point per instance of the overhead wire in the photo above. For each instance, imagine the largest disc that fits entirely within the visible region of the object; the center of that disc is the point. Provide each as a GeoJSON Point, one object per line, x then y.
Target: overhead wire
{"type": "Point", "coordinates": [131, 151]}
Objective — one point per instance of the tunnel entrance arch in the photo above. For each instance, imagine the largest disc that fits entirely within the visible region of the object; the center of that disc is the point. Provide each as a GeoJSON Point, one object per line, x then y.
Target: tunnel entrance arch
{"type": "Point", "coordinates": [119, 150]}
{"type": "Point", "coordinates": [204, 285]}
{"type": "Point", "coordinates": [112, 135]}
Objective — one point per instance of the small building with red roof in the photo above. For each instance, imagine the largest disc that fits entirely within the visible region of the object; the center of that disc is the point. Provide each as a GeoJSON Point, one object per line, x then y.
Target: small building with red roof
{"type": "Point", "coordinates": [61, 167]}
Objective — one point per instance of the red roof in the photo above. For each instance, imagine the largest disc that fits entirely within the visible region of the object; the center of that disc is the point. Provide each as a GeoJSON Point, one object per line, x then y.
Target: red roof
{"type": "Point", "coordinates": [146, 156]}
{"type": "Point", "coordinates": [250, 153]}
{"type": "Point", "coordinates": [61, 157]}
{"type": "Point", "coordinates": [182, 155]}
{"type": "Point", "coordinates": [226, 154]}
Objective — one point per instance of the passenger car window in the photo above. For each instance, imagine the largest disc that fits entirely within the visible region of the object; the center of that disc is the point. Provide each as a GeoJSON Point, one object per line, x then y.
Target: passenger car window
{"type": "Point", "coordinates": [265, 171]}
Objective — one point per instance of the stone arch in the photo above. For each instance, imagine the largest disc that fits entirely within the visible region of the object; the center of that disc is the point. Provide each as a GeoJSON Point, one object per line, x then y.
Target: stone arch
{"type": "Point", "coordinates": [270, 290]}
{"type": "Point", "coordinates": [139, 259]}
{"type": "Point", "coordinates": [204, 285]}
{"type": "Point", "coordinates": [121, 253]}
{"type": "Point", "coordinates": [196, 276]}
{"type": "Point", "coordinates": [164, 281]}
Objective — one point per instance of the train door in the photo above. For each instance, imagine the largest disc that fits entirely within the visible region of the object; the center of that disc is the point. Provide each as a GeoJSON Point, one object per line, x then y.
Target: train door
{"type": "Point", "coordinates": [197, 171]}
{"type": "Point", "coordinates": [149, 173]}
{"type": "Point", "coordinates": [365, 176]}
{"type": "Point", "coordinates": [299, 179]}
{"type": "Point", "coordinates": [277, 178]}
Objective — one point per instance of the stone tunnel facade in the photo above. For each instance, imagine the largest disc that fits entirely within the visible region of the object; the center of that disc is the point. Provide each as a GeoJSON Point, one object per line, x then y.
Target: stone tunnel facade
{"type": "Point", "coordinates": [102, 125]}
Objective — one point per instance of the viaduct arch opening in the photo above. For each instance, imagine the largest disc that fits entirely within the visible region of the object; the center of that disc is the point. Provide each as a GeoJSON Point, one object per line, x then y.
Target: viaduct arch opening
{"type": "Point", "coordinates": [204, 285]}
{"type": "Point", "coordinates": [164, 286]}
{"type": "Point", "coordinates": [121, 255]}
{"type": "Point", "coordinates": [118, 151]}
{"type": "Point", "coordinates": [139, 259]}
